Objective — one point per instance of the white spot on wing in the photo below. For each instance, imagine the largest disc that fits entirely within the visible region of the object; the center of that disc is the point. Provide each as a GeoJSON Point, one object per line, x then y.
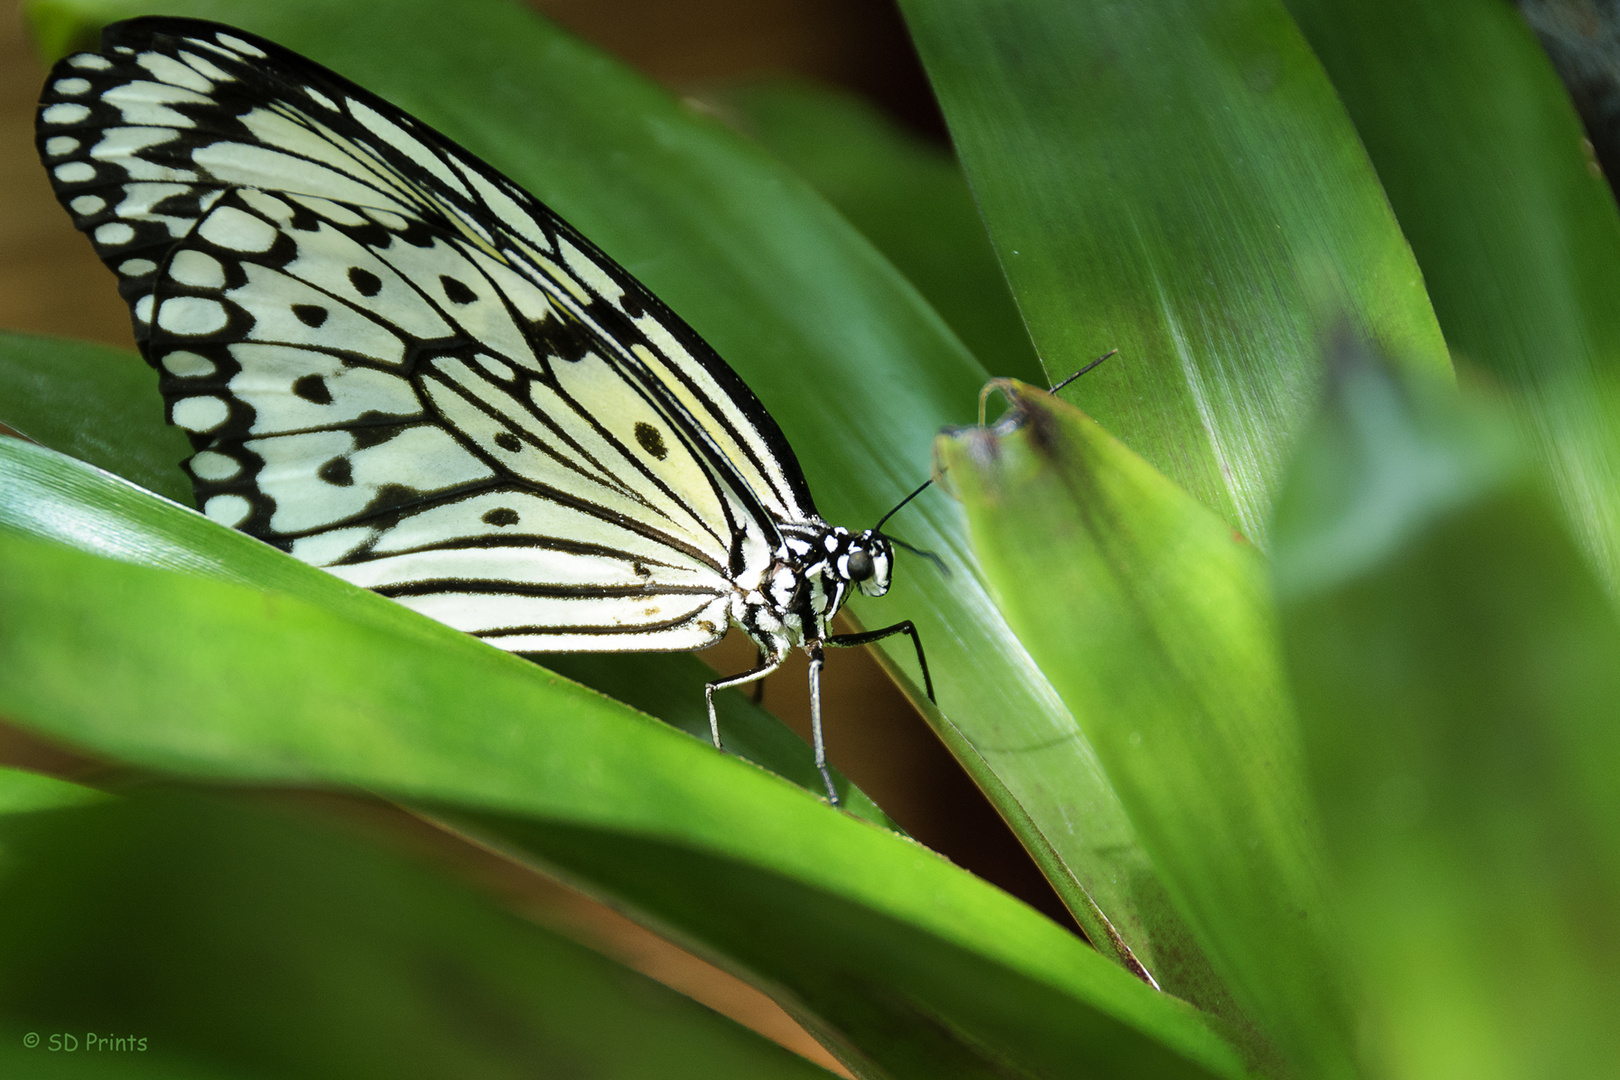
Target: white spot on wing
{"type": "Point", "coordinates": [90, 62]}
{"type": "Point", "coordinates": [199, 414]}
{"type": "Point", "coordinates": [65, 113]}
{"type": "Point", "coordinates": [214, 466]}
{"type": "Point", "coordinates": [197, 269]}
{"type": "Point", "coordinates": [114, 234]}
{"type": "Point", "coordinates": [75, 172]}
{"type": "Point", "coordinates": [57, 145]}
{"type": "Point", "coordinates": [85, 205]}
{"type": "Point", "coordinates": [188, 365]}
{"type": "Point", "coordinates": [231, 41]}
{"type": "Point", "coordinates": [190, 316]}
{"type": "Point", "coordinates": [237, 230]}
{"type": "Point", "coordinates": [228, 510]}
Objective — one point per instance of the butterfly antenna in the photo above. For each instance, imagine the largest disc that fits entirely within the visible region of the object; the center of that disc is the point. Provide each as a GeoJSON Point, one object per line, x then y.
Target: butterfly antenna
{"type": "Point", "coordinates": [915, 550]}
{"type": "Point", "coordinates": [920, 489]}
{"type": "Point", "coordinates": [1082, 371]}
{"type": "Point", "coordinates": [877, 530]}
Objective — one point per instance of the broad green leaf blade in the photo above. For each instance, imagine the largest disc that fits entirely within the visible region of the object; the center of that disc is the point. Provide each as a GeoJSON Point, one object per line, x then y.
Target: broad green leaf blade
{"type": "Point", "coordinates": [1154, 621]}
{"type": "Point", "coordinates": [1515, 229]}
{"type": "Point", "coordinates": [62, 500]}
{"type": "Point", "coordinates": [905, 195]}
{"type": "Point", "coordinates": [1177, 181]}
{"type": "Point", "coordinates": [98, 404]}
{"type": "Point", "coordinates": [254, 941]}
{"type": "Point", "coordinates": [1457, 669]}
{"type": "Point", "coordinates": [24, 792]}
{"type": "Point", "coordinates": [1009, 1023]}
{"type": "Point", "coordinates": [841, 349]}
{"type": "Point", "coordinates": [259, 687]}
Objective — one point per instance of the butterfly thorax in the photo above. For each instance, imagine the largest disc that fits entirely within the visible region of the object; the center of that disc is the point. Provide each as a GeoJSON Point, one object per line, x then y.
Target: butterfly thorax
{"type": "Point", "coordinates": [814, 571]}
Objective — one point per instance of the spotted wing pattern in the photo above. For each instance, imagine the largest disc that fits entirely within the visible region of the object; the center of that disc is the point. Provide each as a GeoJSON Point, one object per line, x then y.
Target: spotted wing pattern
{"type": "Point", "coordinates": [396, 364]}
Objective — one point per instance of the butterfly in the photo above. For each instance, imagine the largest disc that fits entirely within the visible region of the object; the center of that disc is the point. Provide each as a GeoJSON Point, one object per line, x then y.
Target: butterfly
{"type": "Point", "coordinates": [396, 364]}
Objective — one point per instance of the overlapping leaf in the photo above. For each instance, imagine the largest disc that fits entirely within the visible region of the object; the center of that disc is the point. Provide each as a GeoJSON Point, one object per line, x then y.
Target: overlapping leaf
{"type": "Point", "coordinates": [1458, 674]}
{"type": "Point", "coordinates": [1153, 619]}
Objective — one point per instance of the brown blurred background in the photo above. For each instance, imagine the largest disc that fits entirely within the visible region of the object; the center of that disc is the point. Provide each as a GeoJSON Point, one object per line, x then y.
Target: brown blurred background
{"type": "Point", "coordinates": [51, 283]}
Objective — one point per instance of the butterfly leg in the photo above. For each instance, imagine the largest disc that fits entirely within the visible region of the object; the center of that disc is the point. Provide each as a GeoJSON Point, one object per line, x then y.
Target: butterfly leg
{"type": "Point", "coordinates": [816, 661]}
{"type": "Point", "coordinates": [844, 641]}
{"type": "Point", "coordinates": [759, 684]}
{"type": "Point", "coordinates": [767, 664]}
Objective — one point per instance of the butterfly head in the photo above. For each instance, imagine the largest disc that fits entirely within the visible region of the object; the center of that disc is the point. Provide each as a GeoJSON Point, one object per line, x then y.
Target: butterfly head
{"type": "Point", "coordinates": [868, 560]}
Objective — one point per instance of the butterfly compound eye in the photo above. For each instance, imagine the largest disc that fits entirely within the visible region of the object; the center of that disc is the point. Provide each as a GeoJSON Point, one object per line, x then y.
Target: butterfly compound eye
{"type": "Point", "coordinates": [860, 566]}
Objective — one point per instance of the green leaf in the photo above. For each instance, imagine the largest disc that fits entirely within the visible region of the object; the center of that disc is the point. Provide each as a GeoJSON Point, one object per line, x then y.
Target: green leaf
{"type": "Point", "coordinates": [25, 792]}
{"type": "Point", "coordinates": [250, 686]}
{"type": "Point", "coordinates": [1517, 233]}
{"type": "Point", "coordinates": [1154, 621]}
{"type": "Point", "coordinates": [905, 195]}
{"type": "Point", "coordinates": [1457, 669]}
{"type": "Point", "coordinates": [1177, 181]}
{"type": "Point", "coordinates": [856, 367]}
{"type": "Point", "coordinates": [221, 938]}
{"type": "Point", "coordinates": [56, 498]}
{"type": "Point", "coordinates": [96, 403]}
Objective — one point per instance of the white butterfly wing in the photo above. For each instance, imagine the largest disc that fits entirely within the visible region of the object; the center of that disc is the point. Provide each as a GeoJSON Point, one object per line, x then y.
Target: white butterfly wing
{"type": "Point", "coordinates": [398, 365]}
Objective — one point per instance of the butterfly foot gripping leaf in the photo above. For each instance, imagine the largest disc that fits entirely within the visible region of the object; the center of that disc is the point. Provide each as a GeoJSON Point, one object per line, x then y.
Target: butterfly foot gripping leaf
{"type": "Point", "coordinates": [396, 364]}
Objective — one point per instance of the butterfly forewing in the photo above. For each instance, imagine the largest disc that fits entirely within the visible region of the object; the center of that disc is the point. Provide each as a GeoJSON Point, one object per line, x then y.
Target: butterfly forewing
{"type": "Point", "coordinates": [398, 365]}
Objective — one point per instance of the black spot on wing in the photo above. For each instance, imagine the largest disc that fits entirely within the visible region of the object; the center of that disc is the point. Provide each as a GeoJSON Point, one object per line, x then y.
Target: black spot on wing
{"type": "Point", "coordinates": [364, 281]}
{"type": "Point", "coordinates": [313, 388]}
{"type": "Point", "coordinates": [508, 441]}
{"type": "Point", "coordinates": [455, 291]}
{"type": "Point", "coordinates": [338, 471]}
{"type": "Point", "coordinates": [310, 314]}
{"type": "Point", "coordinates": [501, 516]}
{"type": "Point", "coordinates": [651, 440]}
